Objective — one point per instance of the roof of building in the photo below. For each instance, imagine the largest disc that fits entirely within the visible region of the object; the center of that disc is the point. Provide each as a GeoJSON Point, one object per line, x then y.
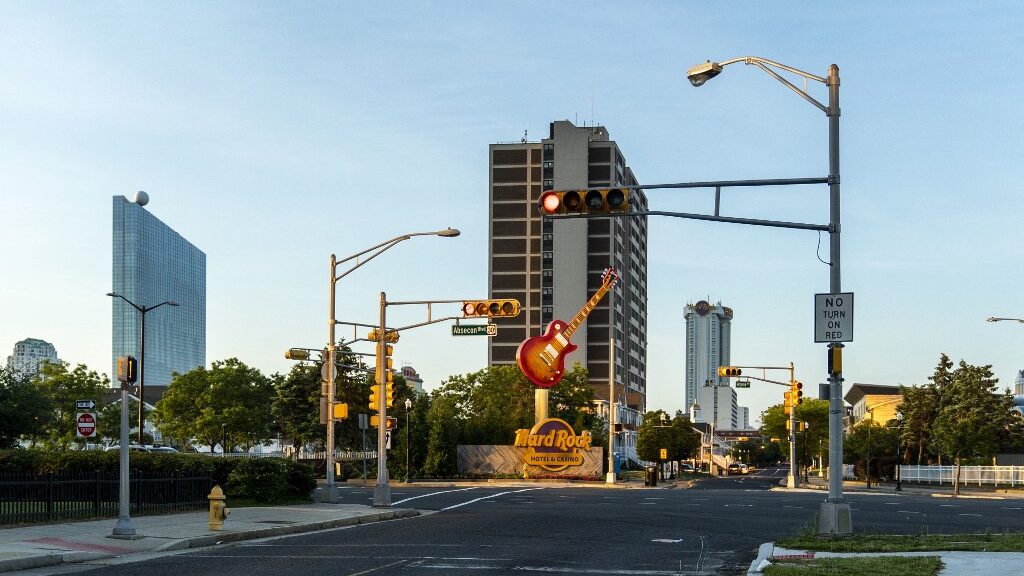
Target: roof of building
{"type": "Point", "coordinates": [859, 391]}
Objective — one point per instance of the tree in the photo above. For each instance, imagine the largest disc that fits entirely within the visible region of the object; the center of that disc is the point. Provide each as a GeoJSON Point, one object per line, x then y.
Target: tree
{"type": "Point", "coordinates": [63, 387]}
{"type": "Point", "coordinates": [296, 405]}
{"type": "Point", "coordinates": [919, 406]}
{"type": "Point", "coordinates": [971, 417]}
{"type": "Point", "coordinates": [24, 409]}
{"type": "Point", "coordinates": [869, 441]}
{"type": "Point", "coordinates": [229, 400]}
{"type": "Point", "coordinates": [443, 439]}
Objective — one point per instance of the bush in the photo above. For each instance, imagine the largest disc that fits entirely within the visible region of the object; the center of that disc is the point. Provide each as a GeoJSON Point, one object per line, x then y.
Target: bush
{"type": "Point", "coordinates": [270, 480]}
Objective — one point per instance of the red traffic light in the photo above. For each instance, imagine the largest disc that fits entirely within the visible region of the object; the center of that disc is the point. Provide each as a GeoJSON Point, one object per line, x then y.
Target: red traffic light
{"type": "Point", "coordinates": [550, 203]}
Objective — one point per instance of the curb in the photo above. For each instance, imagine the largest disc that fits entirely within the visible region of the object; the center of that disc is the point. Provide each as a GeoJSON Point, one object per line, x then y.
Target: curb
{"type": "Point", "coordinates": [764, 552]}
{"type": "Point", "coordinates": [72, 557]}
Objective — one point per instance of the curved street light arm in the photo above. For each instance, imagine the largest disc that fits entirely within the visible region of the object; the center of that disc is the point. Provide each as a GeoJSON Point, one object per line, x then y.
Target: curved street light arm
{"type": "Point", "coordinates": [385, 246]}
{"type": "Point", "coordinates": [767, 65]}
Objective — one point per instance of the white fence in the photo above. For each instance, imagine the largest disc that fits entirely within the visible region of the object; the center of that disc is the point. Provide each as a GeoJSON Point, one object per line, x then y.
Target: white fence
{"type": "Point", "coordinates": [994, 475]}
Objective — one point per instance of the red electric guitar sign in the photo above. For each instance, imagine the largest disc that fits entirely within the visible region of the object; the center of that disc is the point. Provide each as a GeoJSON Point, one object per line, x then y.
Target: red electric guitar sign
{"type": "Point", "coordinates": [542, 358]}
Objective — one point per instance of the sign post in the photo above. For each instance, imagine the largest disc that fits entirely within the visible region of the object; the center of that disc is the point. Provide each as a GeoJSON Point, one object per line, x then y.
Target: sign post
{"type": "Point", "coordinates": [833, 317]}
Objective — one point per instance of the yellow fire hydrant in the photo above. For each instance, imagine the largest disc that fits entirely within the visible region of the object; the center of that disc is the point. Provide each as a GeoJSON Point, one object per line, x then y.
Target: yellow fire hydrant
{"type": "Point", "coordinates": [218, 509]}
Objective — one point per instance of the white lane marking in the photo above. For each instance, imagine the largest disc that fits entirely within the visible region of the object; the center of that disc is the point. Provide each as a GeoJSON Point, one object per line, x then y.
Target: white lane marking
{"type": "Point", "coordinates": [550, 569]}
{"type": "Point", "coordinates": [907, 512]}
{"type": "Point", "coordinates": [434, 494]}
{"type": "Point", "coordinates": [949, 505]}
{"type": "Point", "coordinates": [488, 497]}
{"type": "Point", "coordinates": [1012, 508]}
{"type": "Point", "coordinates": [668, 540]}
{"type": "Point", "coordinates": [978, 515]}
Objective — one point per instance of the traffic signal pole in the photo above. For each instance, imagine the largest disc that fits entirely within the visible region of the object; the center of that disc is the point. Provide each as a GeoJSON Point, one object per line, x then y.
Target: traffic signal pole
{"type": "Point", "coordinates": [793, 479]}
{"type": "Point", "coordinates": [382, 491]}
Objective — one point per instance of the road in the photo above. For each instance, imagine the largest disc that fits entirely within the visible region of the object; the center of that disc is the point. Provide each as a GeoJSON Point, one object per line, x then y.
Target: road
{"type": "Point", "coordinates": [712, 528]}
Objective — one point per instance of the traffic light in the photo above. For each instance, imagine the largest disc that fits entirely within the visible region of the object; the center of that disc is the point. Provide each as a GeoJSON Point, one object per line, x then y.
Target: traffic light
{"type": "Point", "coordinates": [390, 336]}
{"type": "Point", "coordinates": [389, 392]}
{"type": "Point", "coordinates": [796, 393]}
{"type": "Point", "coordinates": [504, 308]}
{"type": "Point", "coordinates": [729, 371]}
{"type": "Point", "coordinates": [375, 398]}
{"type": "Point", "coordinates": [127, 369]}
{"type": "Point", "coordinates": [596, 200]}
{"type": "Point", "coordinates": [297, 354]}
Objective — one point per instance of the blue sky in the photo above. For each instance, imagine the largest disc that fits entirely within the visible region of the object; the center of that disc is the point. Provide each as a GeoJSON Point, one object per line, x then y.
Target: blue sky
{"type": "Point", "coordinates": [273, 134]}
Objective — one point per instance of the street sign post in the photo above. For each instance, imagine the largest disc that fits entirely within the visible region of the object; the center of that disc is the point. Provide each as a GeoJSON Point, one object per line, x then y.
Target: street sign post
{"type": "Point", "coordinates": [85, 424]}
{"type": "Point", "coordinates": [475, 330]}
{"type": "Point", "coordinates": [833, 317]}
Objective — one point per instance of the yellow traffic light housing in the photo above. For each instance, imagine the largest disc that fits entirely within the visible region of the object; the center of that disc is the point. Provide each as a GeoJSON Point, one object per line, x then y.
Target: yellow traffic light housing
{"type": "Point", "coordinates": [835, 361]}
{"type": "Point", "coordinates": [296, 354]}
{"type": "Point", "coordinates": [390, 336]}
{"type": "Point", "coordinates": [390, 423]}
{"type": "Point", "coordinates": [595, 200]}
{"type": "Point", "coordinates": [502, 308]}
{"type": "Point", "coordinates": [340, 410]}
{"type": "Point", "coordinates": [389, 393]}
{"type": "Point", "coordinates": [375, 398]}
{"type": "Point", "coordinates": [796, 393]}
{"type": "Point", "coordinates": [127, 369]}
{"type": "Point", "coordinates": [729, 371]}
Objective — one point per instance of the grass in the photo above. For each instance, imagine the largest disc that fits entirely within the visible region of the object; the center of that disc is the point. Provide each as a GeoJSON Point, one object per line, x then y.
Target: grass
{"type": "Point", "coordinates": [1009, 542]}
{"type": "Point", "coordinates": [877, 566]}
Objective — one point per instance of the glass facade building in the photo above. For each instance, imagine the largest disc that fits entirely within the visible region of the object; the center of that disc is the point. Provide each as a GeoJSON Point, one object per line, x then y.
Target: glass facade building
{"type": "Point", "coordinates": [152, 264]}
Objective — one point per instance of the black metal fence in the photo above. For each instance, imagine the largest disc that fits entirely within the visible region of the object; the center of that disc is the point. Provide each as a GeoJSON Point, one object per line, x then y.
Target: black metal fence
{"type": "Point", "coordinates": [31, 498]}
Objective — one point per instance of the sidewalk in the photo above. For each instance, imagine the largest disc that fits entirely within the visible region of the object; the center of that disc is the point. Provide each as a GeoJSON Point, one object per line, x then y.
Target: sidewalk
{"type": "Point", "coordinates": [934, 490]}
{"type": "Point", "coordinates": [50, 544]}
{"type": "Point", "coordinates": [953, 563]}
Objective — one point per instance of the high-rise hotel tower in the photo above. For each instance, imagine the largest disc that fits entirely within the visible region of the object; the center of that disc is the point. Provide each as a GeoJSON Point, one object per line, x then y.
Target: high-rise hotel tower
{"type": "Point", "coordinates": [553, 267]}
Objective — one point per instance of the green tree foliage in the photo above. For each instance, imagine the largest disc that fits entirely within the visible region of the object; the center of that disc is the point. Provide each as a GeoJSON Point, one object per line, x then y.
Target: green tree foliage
{"type": "Point", "coordinates": [63, 387]}
{"type": "Point", "coordinates": [24, 408]}
{"type": "Point", "coordinates": [572, 400]}
{"type": "Point", "coordinates": [445, 426]}
{"type": "Point", "coordinates": [870, 438]}
{"type": "Point", "coordinates": [490, 404]}
{"type": "Point", "coordinates": [920, 406]}
{"type": "Point", "coordinates": [296, 405]}
{"type": "Point", "coordinates": [658, 431]}
{"type": "Point", "coordinates": [109, 422]}
{"type": "Point", "coordinates": [229, 399]}
{"type": "Point", "coordinates": [814, 412]}
{"type": "Point", "coordinates": [971, 417]}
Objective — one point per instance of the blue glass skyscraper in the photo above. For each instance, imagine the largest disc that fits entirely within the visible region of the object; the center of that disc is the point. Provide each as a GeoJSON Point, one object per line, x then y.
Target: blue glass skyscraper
{"type": "Point", "coordinates": [152, 264]}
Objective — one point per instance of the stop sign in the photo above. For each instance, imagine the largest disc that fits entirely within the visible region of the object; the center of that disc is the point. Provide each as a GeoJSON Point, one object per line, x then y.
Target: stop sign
{"type": "Point", "coordinates": [85, 424]}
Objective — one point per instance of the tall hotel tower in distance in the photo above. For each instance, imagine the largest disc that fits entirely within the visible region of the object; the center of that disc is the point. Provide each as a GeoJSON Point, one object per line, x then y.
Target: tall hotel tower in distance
{"type": "Point", "coordinates": [707, 348]}
{"type": "Point", "coordinates": [554, 267]}
{"type": "Point", "coordinates": [153, 264]}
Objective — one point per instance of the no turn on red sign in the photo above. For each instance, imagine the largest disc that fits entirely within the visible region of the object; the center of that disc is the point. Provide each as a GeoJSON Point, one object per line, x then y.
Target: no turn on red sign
{"type": "Point", "coordinates": [85, 424]}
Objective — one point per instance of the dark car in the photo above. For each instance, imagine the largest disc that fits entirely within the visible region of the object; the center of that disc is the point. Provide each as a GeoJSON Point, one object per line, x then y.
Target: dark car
{"type": "Point", "coordinates": [734, 468]}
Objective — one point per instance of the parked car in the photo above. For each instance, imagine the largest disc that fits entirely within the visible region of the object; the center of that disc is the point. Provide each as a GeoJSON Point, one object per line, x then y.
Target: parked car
{"type": "Point", "coordinates": [733, 468]}
{"type": "Point", "coordinates": [744, 469]}
{"type": "Point", "coordinates": [684, 467]}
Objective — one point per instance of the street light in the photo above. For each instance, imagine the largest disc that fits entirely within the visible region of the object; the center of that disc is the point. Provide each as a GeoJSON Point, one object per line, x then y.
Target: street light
{"type": "Point", "coordinates": [142, 353]}
{"type": "Point", "coordinates": [330, 489]}
{"type": "Point", "coordinates": [408, 447]}
{"type": "Point", "coordinates": [834, 516]}
{"type": "Point", "coordinates": [124, 527]}
{"type": "Point", "coordinates": [899, 454]}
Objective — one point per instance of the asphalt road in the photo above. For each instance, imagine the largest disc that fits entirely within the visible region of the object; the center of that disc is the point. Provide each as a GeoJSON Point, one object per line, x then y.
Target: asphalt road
{"type": "Point", "coordinates": [712, 528]}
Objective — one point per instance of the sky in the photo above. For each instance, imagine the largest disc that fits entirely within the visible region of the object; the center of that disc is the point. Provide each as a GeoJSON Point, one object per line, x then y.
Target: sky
{"type": "Point", "coordinates": [273, 134]}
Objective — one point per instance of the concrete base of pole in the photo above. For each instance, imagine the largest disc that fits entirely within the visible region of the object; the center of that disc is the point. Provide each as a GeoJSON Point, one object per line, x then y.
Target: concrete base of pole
{"type": "Point", "coordinates": [330, 494]}
{"type": "Point", "coordinates": [124, 529]}
{"type": "Point", "coordinates": [791, 481]}
{"type": "Point", "coordinates": [609, 478]}
{"type": "Point", "coordinates": [834, 519]}
{"type": "Point", "coordinates": [382, 496]}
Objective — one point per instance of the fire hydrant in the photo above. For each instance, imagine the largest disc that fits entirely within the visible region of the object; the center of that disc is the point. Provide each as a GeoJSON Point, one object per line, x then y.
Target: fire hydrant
{"type": "Point", "coordinates": [218, 509]}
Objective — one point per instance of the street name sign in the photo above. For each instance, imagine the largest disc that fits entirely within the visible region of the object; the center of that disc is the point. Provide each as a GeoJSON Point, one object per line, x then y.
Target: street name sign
{"type": "Point", "coordinates": [743, 383]}
{"type": "Point", "coordinates": [85, 424]}
{"type": "Point", "coordinates": [475, 330]}
{"type": "Point", "coordinates": [833, 317]}
{"type": "Point", "coordinates": [85, 404]}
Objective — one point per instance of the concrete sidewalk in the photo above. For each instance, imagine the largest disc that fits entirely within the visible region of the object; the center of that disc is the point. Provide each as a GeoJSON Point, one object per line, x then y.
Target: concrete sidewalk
{"type": "Point", "coordinates": [953, 563]}
{"type": "Point", "coordinates": [50, 544]}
